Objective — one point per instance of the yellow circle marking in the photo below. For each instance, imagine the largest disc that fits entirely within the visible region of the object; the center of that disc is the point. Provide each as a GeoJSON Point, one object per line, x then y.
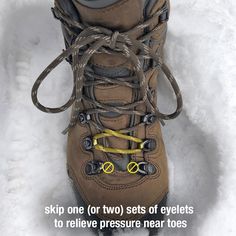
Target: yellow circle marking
{"type": "Point", "coordinates": [108, 167]}
{"type": "Point", "coordinates": [133, 167]}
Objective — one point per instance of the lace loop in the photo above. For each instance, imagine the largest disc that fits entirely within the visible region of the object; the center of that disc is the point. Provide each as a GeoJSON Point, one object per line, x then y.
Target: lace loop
{"type": "Point", "coordinates": [114, 39]}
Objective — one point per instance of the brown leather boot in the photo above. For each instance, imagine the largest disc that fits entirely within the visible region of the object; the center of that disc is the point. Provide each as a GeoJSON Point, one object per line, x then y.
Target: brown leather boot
{"type": "Point", "coordinates": [115, 155]}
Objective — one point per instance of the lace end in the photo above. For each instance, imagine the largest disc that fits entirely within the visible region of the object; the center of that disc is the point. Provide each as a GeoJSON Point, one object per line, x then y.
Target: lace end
{"type": "Point", "coordinates": [65, 131]}
{"type": "Point", "coordinates": [162, 122]}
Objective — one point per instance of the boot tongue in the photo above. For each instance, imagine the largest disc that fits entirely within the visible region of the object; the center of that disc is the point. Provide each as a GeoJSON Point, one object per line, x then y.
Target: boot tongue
{"type": "Point", "coordinates": [120, 16]}
{"type": "Point", "coordinates": [115, 17]}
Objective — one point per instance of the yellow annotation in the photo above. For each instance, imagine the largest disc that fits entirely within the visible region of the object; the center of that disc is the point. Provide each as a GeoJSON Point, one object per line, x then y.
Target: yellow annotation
{"type": "Point", "coordinates": [108, 167]}
{"type": "Point", "coordinates": [133, 167]}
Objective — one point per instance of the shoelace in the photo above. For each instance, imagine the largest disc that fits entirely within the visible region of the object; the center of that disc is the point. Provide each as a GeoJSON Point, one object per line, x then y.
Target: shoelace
{"type": "Point", "coordinates": [91, 40]}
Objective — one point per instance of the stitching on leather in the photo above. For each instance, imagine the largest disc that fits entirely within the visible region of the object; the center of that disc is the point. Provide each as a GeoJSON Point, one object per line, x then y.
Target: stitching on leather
{"type": "Point", "coordinates": [158, 199]}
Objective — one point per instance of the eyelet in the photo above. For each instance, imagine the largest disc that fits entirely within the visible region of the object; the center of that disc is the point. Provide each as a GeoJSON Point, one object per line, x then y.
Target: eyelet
{"type": "Point", "coordinates": [149, 119]}
{"type": "Point", "coordinates": [149, 145]}
{"type": "Point", "coordinates": [93, 167]}
{"type": "Point", "coordinates": [164, 17]}
{"type": "Point", "coordinates": [87, 143]}
{"type": "Point", "coordinates": [84, 118]}
{"type": "Point", "coordinates": [147, 168]}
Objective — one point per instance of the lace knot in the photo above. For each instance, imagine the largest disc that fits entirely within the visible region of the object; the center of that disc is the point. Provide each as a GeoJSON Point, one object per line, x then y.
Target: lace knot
{"type": "Point", "coordinates": [114, 37]}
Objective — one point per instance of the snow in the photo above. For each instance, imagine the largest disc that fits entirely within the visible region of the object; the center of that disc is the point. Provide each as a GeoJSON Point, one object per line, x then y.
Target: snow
{"type": "Point", "coordinates": [201, 51]}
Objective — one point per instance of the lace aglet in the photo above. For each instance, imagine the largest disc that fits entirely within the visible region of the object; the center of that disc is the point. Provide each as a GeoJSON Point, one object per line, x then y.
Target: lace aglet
{"type": "Point", "coordinates": [65, 131]}
{"type": "Point", "coordinates": [162, 122]}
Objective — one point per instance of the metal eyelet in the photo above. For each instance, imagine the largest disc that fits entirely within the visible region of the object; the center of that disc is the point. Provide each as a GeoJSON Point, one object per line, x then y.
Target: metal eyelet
{"type": "Point", "coordinates": [55, 13]}
{"type": "Point", "coordinates": [165, 14]}
{"type": "Point", "coordinates": [149, 145]}
{"type": "Point", "coordinates": [146, 168]}
{"type": "Point", "coordinates": [88, 143]}
{"type": "Point", "coordinates": [83, 118]}
{"type": "Point", "coordinates": [93, 167]}
{"type": "Point", "coordinates": [149, 119]}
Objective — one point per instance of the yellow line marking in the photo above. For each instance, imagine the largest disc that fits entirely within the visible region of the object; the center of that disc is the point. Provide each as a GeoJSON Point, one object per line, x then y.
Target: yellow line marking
{"type": "Point", "coordinates": [111, 133]}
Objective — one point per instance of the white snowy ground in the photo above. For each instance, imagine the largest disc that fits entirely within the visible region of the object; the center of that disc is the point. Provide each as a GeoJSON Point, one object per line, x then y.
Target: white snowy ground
{"type": "Point", "coordinates": [201, 50]}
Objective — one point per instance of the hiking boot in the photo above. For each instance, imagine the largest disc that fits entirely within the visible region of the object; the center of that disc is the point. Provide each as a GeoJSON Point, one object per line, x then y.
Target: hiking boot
{"type": "Point", "coordinates": [115, 153]}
